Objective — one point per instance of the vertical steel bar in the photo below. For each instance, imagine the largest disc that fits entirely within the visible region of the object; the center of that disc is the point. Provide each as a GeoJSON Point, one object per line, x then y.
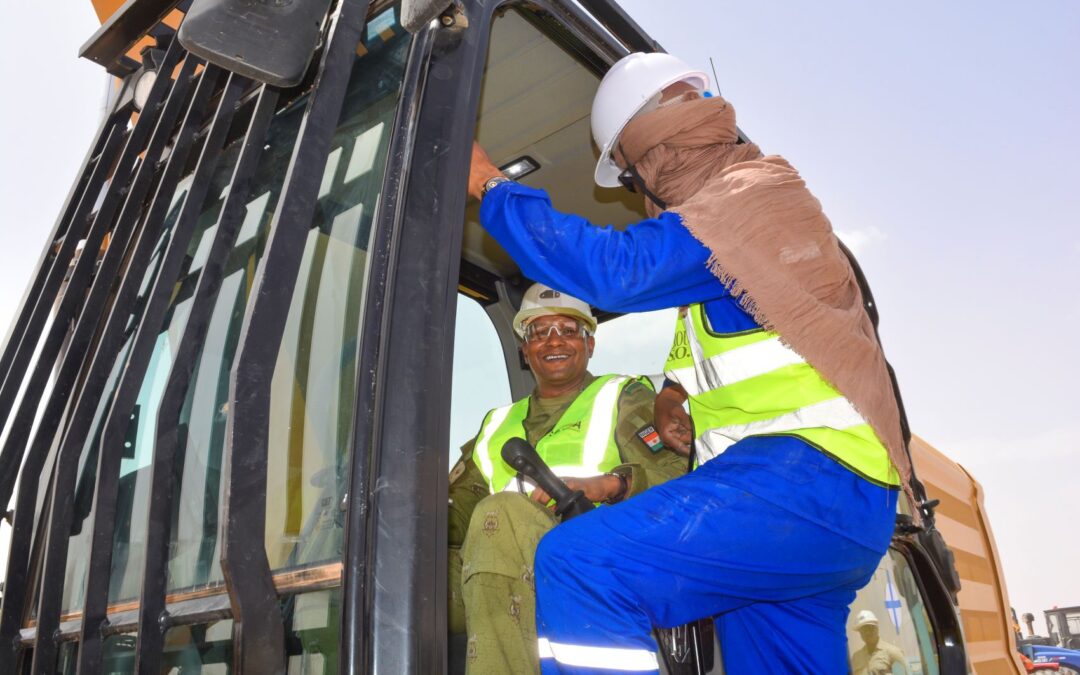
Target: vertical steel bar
{"type": "Point", "coordinates": [19, 552]}
{"type": "Point", "coordinates": [118, 419]}
{"type": "Point", "coordinates": [17, 579]}
{"type": "Point", "coordinates": [406, 530]}
{"type": "Point", "coordinates": [258, 632]}
{"type": "Point", "coordinates": [33, 294]}
{"type": "Point", "coordinates": [59, 523]}
{"type": "Point", "coordinates": [152, 617]}
{"type": "Point", "coordinates": [89, 307]}
{"type": "Point", "coordinates": [18, 436]}
{"type": "Point", "coordinates": [353, 633]}
{"type": "Point", "coordinates": [62, 313]}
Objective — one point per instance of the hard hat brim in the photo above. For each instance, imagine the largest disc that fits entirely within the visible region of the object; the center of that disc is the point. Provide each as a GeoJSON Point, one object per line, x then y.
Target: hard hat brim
{"type": "Point", "coordinates": [607, 172]}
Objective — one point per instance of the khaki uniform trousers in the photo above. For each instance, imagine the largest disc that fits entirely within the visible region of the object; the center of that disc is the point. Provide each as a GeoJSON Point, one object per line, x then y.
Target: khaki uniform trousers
{"type": "Point", "coordinates": [492, 584]}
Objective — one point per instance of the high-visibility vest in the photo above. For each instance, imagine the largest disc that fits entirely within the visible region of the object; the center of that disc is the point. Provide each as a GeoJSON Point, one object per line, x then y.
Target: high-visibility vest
{"type": "Point", "coordinates": [749, 383]}
{"type": "Point", "coordinates": [581, 444]}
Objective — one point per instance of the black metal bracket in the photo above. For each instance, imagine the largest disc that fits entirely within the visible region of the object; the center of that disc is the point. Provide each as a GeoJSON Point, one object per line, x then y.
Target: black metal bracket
{"type": "Point", "coordinates": [109, 44]}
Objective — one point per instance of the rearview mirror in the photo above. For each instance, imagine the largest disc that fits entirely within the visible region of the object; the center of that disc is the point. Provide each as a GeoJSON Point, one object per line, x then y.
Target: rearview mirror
{"type": "Point", "coordinates": [272, 41]}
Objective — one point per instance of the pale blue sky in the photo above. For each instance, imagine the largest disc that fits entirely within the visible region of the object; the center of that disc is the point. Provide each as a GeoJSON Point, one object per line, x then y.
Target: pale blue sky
{"type": "Point", "coordinates": [942, 139]}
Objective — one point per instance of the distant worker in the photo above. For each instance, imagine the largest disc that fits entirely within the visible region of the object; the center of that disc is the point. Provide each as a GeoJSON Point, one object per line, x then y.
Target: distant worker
{"type": "Point", "coordinates": [875, 657]}
{"type": "Point", "coordinates": [793, 415]}
{"type": "Point", "coordinates": [597, 432]}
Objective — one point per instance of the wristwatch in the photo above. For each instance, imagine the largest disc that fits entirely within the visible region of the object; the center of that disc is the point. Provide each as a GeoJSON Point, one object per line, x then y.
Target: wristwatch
{"type": "Point", "coordinates": [492, 182]}
{"type": "Point", "coordinates": [624, 487]}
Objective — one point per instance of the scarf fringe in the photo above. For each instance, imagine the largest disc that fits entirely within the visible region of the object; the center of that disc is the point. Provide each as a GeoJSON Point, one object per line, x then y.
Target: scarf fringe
{"type": "Point", "coordinates": [737, 291]}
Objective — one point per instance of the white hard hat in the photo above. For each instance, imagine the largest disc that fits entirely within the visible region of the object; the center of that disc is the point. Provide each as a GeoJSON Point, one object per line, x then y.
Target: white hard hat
{"type": "Point", "coordinates": [541, 300]}
{"type": "Point", "coordinates": [865, 618]}
{"type": "Point", "coordinates": [631, 82]}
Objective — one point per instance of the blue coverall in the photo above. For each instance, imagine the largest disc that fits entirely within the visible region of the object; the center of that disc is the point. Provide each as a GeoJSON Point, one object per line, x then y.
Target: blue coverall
{"type": "Point", "coordinates": [772, 537]}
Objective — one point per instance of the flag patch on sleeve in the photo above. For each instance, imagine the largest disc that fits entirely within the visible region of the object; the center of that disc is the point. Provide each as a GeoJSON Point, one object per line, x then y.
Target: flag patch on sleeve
{"type": "Point", "coordinates": [650, 438]}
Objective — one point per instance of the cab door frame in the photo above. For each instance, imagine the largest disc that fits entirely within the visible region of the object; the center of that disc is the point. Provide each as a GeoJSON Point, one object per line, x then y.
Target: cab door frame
{"type": "Point", "coordinates": [394, 595]}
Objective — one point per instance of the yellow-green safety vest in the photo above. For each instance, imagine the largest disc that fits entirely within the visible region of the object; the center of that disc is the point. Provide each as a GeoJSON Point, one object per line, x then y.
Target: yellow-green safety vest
{"type": "Point", "coordinates": [581, 444]}
{"type": "Point", "coordinates": [751, 384]}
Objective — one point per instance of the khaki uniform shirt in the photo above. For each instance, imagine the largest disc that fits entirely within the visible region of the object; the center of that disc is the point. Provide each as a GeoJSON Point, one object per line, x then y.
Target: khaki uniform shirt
{"type": "Point", "coordinates": [880, 661]}
{"type": "Point", "coordinates": [645, 467]}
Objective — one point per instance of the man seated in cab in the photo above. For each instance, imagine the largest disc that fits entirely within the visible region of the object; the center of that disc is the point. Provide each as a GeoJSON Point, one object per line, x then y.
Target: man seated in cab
{"type": "Point", "coordinates": [595, 432]}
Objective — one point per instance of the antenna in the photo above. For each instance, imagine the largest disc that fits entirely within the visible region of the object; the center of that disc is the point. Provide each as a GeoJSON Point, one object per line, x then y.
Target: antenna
{"type": "Point", "coordinates": [715, 81]}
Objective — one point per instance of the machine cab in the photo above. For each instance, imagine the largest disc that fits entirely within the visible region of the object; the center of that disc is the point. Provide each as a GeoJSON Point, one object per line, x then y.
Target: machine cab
{"type": "Point", "coordinates": [268, 317]}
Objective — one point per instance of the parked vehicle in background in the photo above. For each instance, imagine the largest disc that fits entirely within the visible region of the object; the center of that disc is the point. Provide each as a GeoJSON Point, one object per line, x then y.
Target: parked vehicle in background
{"type": "Point", "coordinates": [1063, 626]}
{"type": "Point", "coordinates": [1059, 645]}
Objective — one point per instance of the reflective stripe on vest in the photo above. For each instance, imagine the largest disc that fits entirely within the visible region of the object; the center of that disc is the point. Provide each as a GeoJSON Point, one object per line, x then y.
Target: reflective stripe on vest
{"type": "Point", "coordinates": [751, 384]}
{"type": "Point", "coordinates": [581, 444]}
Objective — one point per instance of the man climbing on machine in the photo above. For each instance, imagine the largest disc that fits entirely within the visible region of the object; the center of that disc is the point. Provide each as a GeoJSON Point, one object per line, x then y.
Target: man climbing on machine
{"type": "Point", "coordinates": [793, 415]}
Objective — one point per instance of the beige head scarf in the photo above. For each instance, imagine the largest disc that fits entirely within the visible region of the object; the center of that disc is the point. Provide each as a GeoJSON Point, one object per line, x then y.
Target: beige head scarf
{"type": "Point", "coordinates": [771, 245]}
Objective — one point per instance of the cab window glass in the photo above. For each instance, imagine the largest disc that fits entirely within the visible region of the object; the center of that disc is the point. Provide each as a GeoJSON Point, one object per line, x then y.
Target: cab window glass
{"type": "Point", "coordinates": [314, 378]}
{"type": "Point", "coordinates": [314, 384]}
{"type": "Point", "coordinates": [1053, 626]}
{"type": "Point", "coordinates": [85, 487]}
{"type": "Point", "coordinates": [1073, 621]}
{"type": "Point", "coordinates": [889, 628]}
{"type": "Point", "coordinates": [480, 382]}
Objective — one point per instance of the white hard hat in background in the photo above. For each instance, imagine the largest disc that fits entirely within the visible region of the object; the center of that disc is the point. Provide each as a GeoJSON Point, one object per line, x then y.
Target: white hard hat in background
{"type": "Point", "coordinates": [541, 300]}
{"type": "Point", "coordinates": [631, 82]}
{"type": "Point", "coordinates": [865, 618]}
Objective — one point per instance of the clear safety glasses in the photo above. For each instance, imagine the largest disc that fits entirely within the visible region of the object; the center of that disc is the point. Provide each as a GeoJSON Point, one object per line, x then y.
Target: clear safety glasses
{"type": "Point", "coordinates": [568, 329]}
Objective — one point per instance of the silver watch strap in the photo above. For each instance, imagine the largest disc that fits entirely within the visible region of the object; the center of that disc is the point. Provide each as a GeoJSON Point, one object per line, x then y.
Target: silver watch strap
{"type": "Point", "coordinates": [492, 182]}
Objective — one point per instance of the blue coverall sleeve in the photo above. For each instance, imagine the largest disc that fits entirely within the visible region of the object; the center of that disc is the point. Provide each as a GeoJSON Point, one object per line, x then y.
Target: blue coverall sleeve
{"type": "Point", "coordinates": [653, 264]}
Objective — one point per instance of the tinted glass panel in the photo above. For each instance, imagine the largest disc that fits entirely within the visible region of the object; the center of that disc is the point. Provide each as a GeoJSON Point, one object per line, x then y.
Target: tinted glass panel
{"type": "Point", "coordinates": [889, 629]}
{"type": "Point", "coordinates": [82, 518]}
{"type": "Point", "coordinates": [313, 388]}
{"type": "Point", "coordinates": [130, 535]}
{"type": "Point", "coordinates": [1073, 621]}
{"type": "Point", "coordinates": [314, 376]}
{"type": "Point", "coordinates": [193, 556]}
